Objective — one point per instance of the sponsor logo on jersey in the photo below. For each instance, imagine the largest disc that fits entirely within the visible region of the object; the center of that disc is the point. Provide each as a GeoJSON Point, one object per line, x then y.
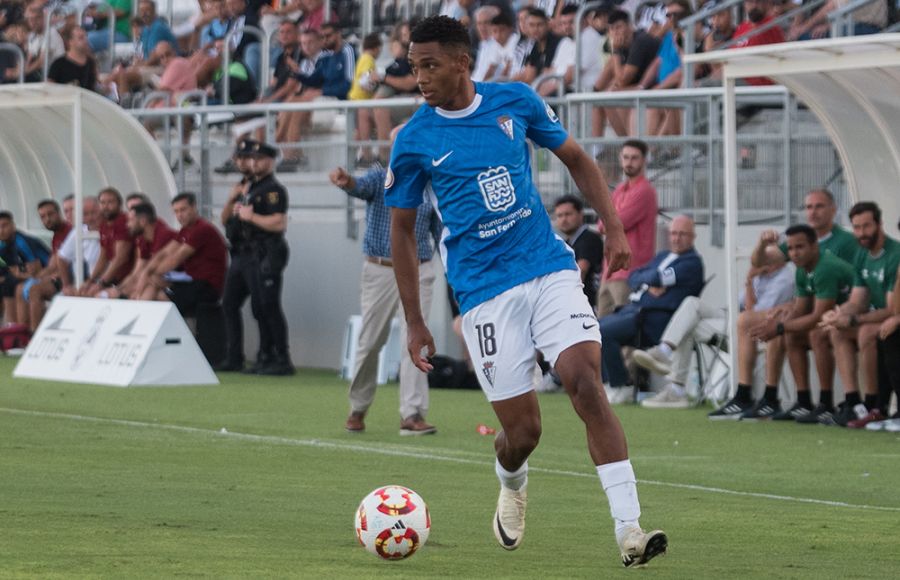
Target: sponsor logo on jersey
{"type": "Point", "coordinates": [506, 123]}
{"type": "Point", "coordinates": [497, 188]}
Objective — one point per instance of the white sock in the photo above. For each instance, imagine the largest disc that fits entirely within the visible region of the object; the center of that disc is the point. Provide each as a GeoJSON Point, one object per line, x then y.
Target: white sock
{"type": "Point", "coordinates": [619, 483]}
{"type": "Point", "coordinates": [677, 389]}
{"type": "Point", "coordinates": [514, 480]}
{"type": "Point", "coordinates": [664, 348]}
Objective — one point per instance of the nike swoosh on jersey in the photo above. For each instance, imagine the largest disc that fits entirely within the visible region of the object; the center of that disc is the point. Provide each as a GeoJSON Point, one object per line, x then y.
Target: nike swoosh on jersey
{"type": "Point", "coordinates": [587, 326]}
{"type": "Point", "coordinates": [436, 162]}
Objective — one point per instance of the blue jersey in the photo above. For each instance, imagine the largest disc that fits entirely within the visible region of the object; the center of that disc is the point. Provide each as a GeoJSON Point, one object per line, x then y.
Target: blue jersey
{"type": "Point", "coordinates": [23, 250]}
{"type": "Point", "coordinates": [496, 232]}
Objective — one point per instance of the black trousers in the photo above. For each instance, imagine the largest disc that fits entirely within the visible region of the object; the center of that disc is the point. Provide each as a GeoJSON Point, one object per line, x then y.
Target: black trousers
{"type": "Point", "coordinates": [889, 369]}
{"type": "Point", "coordinates": [256, 272]}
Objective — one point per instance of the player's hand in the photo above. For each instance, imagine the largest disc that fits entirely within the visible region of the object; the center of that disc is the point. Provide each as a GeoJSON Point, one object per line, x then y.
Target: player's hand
{"type": "Point", "coordinates": [830, 318]}
{"type": "Point", "coordinates": [340, 177]}
{"type": "Point", "coordinates": [420, 345]}
{"type": "Point", "coordinates": [616, 251]}
{"type": "Point", "coordinates": [245, 212]}
{"type": "Point", "coordinates": [889, 327]}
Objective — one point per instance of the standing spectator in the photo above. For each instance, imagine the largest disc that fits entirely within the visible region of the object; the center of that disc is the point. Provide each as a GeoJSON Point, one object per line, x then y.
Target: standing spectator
{"type": "Point", "coordinates": [695, 321]}
{"type": "Point", "coordinates": [568, 213]}
{"type": "Point", "coordinates": [659, 289]}
{"type": "Point", "coordinates": [98, 38]}
{"type": "Point", "coordinates": [635, 200]}
{"type": "Point", "coordinates": [263, 257]}
{"type": "Point", "coordinates": [380, 300]}
{"type": "Point", "coordinates": [363, 88]}
{"type": "Point", "coordinates": [37, 35]}
{"type": "Point", "coordinates": [633, 53]}
{"type": "Point", "coordinates": [117, 247]}
{"type": "Point", "coordinates": [854, 326]}
{"type": "Point", "coordinates": [21, 257]}
{"type": "Point", "coordinates": [77, 66]}
{"type": "Point", "coordinates": [199, 251]}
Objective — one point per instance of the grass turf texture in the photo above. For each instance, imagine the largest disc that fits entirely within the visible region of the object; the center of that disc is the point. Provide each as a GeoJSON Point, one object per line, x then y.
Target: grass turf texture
{"type": "Point", "coordinates": [163, 493]}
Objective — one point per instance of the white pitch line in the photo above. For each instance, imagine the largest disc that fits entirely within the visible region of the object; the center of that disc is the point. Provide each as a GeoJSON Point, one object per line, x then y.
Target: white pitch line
{"type": "Point", "coordinates": [399, 451]}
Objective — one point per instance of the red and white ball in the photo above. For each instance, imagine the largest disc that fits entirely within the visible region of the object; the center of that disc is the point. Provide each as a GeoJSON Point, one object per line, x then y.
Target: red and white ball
{"type": "Point", "coordinates": [393, 522]}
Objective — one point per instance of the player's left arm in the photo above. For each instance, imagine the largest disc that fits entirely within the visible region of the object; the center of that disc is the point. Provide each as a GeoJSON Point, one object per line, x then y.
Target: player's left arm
{"type": "Point", "coordinates": [592, 184]}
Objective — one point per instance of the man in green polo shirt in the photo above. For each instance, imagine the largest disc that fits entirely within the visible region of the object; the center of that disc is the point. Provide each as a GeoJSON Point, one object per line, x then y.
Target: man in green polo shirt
{"type": "Point", "coordinates": [822, 281]}
{"type": "Point", "coordinates": [99, 37]}
{"type": "Point", "coordinates": [853, 327]}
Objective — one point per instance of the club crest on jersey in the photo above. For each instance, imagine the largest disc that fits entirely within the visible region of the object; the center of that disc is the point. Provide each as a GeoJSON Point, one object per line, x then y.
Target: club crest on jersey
{"type": "Point", "coordinates": [506, 123]}
{"type": "Point", "coordinates": [389, 179]}
{"type": "Point", "coordinates": [497, 188]}
{"type": "Point", "coordinates": [489, 371]}
{"type": "Point", "coordinates": [551, 113]}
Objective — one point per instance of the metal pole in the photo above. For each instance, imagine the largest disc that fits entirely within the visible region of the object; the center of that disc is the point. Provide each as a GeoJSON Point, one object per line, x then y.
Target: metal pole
{"type": "Point", "coordinates": [731, 213]}
{"type": "Point", "coordinates": [78, 266]}
{"type": "Point", "coordinates": [226, 64]}
{"type": "Point", "coordinates": [786, 158]}
{"type": "Point", "coordinates": [20, 57]}
{"type": "Point", "coordinates": [205, 193]}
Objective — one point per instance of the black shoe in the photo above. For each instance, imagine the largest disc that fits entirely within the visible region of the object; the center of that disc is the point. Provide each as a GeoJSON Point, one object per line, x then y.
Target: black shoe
{"type": "Point", "coordinates": [763, 409]}
{"type": "Point", "coordinates": [847, 413]}
{"type": "Point", "coordinates": [731, 410]}
{"type": "Point", "coordinates": [792, 414]}
{"type": "Point", "coordinates": [821, 414]}
{"type": "Point", "coordinates": [277, 368]}
{"type": "Point", "coordinates": [229, 367]}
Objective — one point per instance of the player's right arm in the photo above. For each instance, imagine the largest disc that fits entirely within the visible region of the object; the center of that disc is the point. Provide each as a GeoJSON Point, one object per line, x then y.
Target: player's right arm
{"type": "Point", "coordinates": [406, 270]}
{"type": "Point", "coordinates": [592, 185]}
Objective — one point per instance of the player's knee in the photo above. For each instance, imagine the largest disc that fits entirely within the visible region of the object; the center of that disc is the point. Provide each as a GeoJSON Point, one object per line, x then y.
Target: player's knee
{"type": "Point", "coordinates": [526, 435]}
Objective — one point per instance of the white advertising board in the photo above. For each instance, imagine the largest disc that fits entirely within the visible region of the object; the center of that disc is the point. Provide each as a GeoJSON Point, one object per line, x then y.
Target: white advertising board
{"type": "Point", "coordinates": [115, 342]}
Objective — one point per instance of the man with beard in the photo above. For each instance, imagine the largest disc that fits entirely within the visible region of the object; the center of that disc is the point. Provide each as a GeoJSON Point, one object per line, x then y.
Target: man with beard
{"type": "Point", "coordinates": [853, 326]}
{"type": "Point", "coordinates": [116, 255]}
{"type": "Point", "coordinates": [758, 15]}
{"type": "Point", "coordinates": [150, 235]}
{"type": "Point", "coordinates": [52, 218]}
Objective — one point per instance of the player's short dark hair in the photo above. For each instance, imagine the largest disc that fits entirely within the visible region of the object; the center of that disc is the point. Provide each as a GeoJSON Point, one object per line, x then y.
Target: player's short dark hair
{"type": "Point", "coordinates": [569, 198]}
{"type": "Point", "coordinates": [146, 210]}
{"type": "Point", "coordinates": [372, 40]}
{"type": "Point", "coordinates": [48, 201]}
{"type": "Point", "coordinates": [68, 196]}
{"type": "Point", "coordinates": [866, 206]}
{"type": "Point", "coordinates": [802, 230]}
{"type": "Point", "coordinates": [569, 9]}
{"type": "Point", "coordinates": [618, 16]}
{"type": "Point", "coordinates": [6, 215]}
{"type": "Point", "coordinates": [330, 25]}
{"type": "Point", "coordinates": [537, 13]}
{"type": "Point", "coordinates": [637, 144]}
{"type": "Point", "coordinates": [187, 196]}
{"type": "Point", "coordinates": [504, 19]}
{"type": "Point", "coordinates": [443, 30]}
{"type": "Point", "coordinates": [111, 191]}
{"type": "Point", "coordinates": [137, 195]}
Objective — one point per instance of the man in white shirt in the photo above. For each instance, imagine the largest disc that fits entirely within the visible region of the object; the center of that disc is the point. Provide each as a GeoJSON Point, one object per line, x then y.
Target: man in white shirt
{"type": "Point", "coordinates": [488, 48]}
{"type": "Point", "coordinates": [509, 57]}
{"type": "Point", "coordinates": [34, 60]}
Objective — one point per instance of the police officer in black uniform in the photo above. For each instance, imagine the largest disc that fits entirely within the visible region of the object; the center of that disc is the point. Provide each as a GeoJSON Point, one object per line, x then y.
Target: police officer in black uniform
{"type": "Point", "coordinates": [262, 254]}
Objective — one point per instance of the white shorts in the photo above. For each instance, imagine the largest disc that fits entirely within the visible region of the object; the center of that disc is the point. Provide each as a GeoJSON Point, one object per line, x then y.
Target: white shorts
{"type": "Point", "coordinates": [547, 314]}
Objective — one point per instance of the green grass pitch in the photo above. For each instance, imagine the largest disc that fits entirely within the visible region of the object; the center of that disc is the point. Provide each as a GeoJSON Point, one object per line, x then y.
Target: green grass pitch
{"type": "Point", "coordinates": [143, 482]}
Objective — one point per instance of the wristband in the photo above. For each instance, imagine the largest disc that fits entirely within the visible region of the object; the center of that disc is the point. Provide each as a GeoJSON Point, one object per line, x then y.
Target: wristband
{"type": "Point", "coordinates": [779, 329]}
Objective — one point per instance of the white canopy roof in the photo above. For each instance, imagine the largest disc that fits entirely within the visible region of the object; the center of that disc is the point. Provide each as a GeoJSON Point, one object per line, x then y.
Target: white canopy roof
{"type": "Point", "coordinates": [38, 150]}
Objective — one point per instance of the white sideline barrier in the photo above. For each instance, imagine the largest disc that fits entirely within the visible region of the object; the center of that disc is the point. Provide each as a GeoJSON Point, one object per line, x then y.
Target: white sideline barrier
{"type": "Point", "coordinates": [115, 342]}
{"type": "Point", "coordinates": [388, 357]}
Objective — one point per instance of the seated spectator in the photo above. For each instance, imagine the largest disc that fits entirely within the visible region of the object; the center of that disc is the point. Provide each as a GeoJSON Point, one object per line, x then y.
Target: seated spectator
{"type": "Point", "coordinates": [457, 9]}
{"type": "Point", "coordinates": [116, 254]}
{"type": "Point", "coordinates": [37, 35]}
{"type": "Point", "coordinates": [721, 30]}
{"type": "Point", "coordinates": [853, 326]}
{"type": "Point", "coordinates": [77, 66]}
{"type": "Point", "coordinates": [245, 47]}
{"type": "Point", "coordinates": [633, 53]}
{"type": "Point", "coordinates": [487, 46]}
{"type": "Point", "coordinates": [272, 15]}
{"type": "Point", "coordinates": [21, 257]}
{"type": "Point", "coordinates": [594, 47]}
{"type": "Point", "coordinates": [198, 253]}
{"type": "Point", "coordinates": [314, 16]}
{"type": "Point", "coordinates": [212, 25]}
{"type": "Point", "coordinates": [551, 54]}
{"type": "Point", "coordinates": [52, 219]}
{"type": "Point", "coordinates": [568, 215]}
{"type": "Point", "coordinates": [12, 13]}
{"type": "Point", "coordinates": [868, 19]}
{"type": "Point", "coordinates": [659, 288]}
{"type": "Point", "coordinates": [650, 17]}
{"type": "Point", "coordinates": [759, 14]}
{"type": "Point", "coordinates": [666, 70]}
{"type": "Point", "coordinates": [695, 321]}
{"type": "Point", "coordinates": [822, 280]}
{"type": "Point", "coordinates": [398, 81]}
{"type": "Point", "coordinates": [363, 88]}
{"type": "Point", "coordinates": [283, 84]}
{"type": "Point", "coordinates": [16, 34]}
{"type": "Point", "coordinates": [331, 77]}
{"type": "Point", "coordinates": [60, 275]}
{"type": "Point", "coordinates": [151, 29]}
{"type": "Point", "coordinates": [507, 60]}
{"type": "Point", "coordinates": [98, 38]}
{"type": "Point", "coordinates": [150, 235]}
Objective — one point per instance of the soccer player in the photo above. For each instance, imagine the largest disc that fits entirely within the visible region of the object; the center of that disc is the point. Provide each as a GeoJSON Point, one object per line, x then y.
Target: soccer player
{"type": "Point", "coordinates": [517, 283]}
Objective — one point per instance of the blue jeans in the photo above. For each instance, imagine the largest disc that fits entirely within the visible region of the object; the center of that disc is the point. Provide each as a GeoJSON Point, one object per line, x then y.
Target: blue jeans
{"type": "Point", "coordinates": [99, 39]}
{"type": "Point", "coordinates": [620, 329]}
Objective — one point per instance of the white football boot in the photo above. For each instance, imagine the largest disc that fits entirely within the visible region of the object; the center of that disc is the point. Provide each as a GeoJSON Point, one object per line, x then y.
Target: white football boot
{"type": "Point", "coordinates": [638, 547]}
{"type": "Point", "coordinates": [509, 519]}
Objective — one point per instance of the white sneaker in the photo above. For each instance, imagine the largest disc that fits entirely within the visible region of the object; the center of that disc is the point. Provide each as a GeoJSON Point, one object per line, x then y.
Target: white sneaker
{"type": "Point", "coordinates": [548, 384]}
{"type": "Point", "coordinates": [638, 548]}
{"type": "Point", "coordinates": [666, 399]}
{"type": "Point", "coordinates": [509, 519]}
{"type": "Point", "coordinates": [619, 395]}
{"type": "Point", "coordinates": [653, 360]}
{"type": "Point", "coordinates": [892, 425]}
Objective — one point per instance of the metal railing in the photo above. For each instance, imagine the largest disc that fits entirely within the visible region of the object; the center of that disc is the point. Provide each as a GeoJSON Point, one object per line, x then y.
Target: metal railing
{"type": "Point", "coordinates": [110, 27]}
{"type": "Point", "coordinates": [20, 58]}
{"type": "Point", "coordinates": [263, 79]}
{"type": "Point", "coordinates": [841, 20]}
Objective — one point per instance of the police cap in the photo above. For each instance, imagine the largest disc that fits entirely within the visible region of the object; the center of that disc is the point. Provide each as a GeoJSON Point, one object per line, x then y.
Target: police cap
{"type": "Point", "coordinates": [245, 147]}
{"type": "Point", "coordinates": [264, 150]}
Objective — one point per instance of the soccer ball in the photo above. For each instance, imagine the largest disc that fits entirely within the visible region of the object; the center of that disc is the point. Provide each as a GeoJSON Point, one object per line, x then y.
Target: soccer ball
{"type": "Point", "coordinates": [392, 522]}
